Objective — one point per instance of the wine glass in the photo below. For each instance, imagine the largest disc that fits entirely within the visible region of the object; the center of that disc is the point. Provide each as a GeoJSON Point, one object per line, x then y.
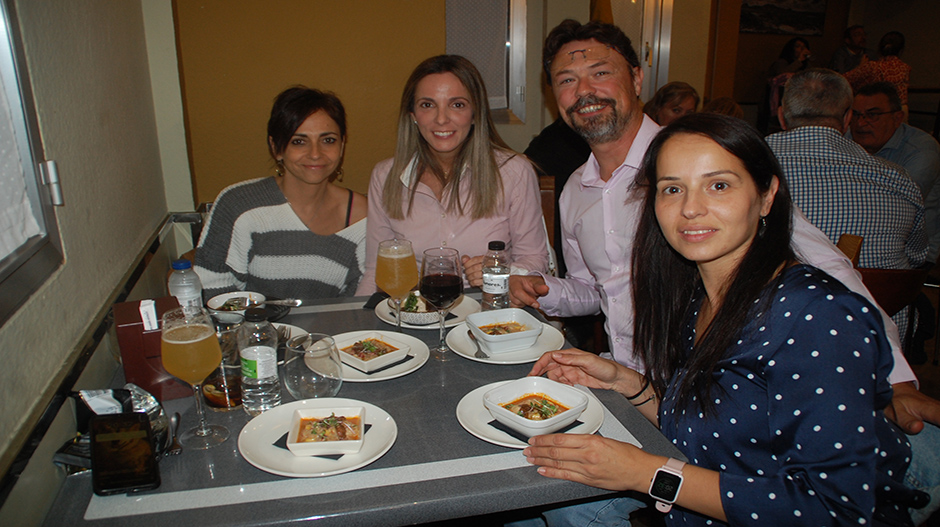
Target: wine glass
{"type": "Point", "coordinates": [396, 272]}
{"type": "Point", "coordinates": [441, 285]}
{"type": "Point", "coordinates": [190, 352]}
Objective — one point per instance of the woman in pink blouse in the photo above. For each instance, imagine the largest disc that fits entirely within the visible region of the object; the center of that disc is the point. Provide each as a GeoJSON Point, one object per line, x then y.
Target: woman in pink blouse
{"type": "Point", "coordinates": [889, 68]}
{"type": "Point", "coordinates": [453, 181]}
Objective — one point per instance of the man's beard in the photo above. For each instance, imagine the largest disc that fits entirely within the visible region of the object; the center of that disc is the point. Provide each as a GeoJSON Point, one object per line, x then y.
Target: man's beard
{"type": "Point", "coordinates": [598, 129]}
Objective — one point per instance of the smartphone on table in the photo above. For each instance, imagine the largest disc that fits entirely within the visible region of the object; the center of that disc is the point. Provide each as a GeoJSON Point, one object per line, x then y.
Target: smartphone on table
{"type": "Point", "coordinates": [122, 454]}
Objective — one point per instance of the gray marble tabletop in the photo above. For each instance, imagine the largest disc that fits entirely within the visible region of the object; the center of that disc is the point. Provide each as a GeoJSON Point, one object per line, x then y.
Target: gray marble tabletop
{"type": "Point", "coordinates": [435, 471]}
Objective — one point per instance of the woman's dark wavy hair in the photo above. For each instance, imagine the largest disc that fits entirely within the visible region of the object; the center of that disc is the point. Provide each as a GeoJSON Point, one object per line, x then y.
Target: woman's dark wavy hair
{"type": "Point", "coordinates": [788, 52]}
{"type": "Point", "coordinates": [664, 282]}
{"type": "Point", "coordinates": [891, 44]}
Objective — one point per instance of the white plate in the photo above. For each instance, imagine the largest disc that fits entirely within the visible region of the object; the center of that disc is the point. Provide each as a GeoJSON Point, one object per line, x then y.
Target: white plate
{"type": "Point", "coordinates": [475, 418]}
{"type": "Point", "coordinates": [257, 438]}
{"type": "Point", "coordinates": [550, 340]}
{"type": "Point", "coordinates": [419, 352]}
{"type": "Point", "coordinates": [460, 311]}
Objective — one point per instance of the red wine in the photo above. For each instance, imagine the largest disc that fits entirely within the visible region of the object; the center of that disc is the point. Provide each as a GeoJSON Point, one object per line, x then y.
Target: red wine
{"type": "Point", "coordinates": [441, 290]}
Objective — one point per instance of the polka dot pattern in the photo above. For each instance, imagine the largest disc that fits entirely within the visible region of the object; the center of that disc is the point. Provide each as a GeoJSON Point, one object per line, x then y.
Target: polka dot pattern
{"type": "Point", "coordinates": [796, 426]}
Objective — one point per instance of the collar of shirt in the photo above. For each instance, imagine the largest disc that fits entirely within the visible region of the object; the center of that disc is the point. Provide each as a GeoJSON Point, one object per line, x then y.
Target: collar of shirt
{"type": "Point", "coordinates": [409, 176]}
{"type": "Point", "coordinates": [895, 143]}
{"type": "Point", "coordinates": [591, 177]}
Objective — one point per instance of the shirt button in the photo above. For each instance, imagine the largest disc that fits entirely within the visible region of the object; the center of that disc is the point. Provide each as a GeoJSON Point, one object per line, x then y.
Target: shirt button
{"type": "Point", "coordinates": [443, 215]}
{"type": "Point", "coordinates": [611, 231]}
{"type": "Point", "coordinates": [619, 339]}
{"type": "Point", "coordinates": [613, 300]}
{"type": "Point", "coordinates": [443, 243]}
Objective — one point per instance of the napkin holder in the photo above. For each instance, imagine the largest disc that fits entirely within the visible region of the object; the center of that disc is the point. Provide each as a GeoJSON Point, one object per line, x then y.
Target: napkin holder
{"type": "Point", "coordinates": [140, 350]}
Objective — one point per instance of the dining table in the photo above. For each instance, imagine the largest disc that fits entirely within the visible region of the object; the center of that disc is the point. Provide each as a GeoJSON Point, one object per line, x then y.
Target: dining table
{"type": "Point", "coordinates": [437, 469]}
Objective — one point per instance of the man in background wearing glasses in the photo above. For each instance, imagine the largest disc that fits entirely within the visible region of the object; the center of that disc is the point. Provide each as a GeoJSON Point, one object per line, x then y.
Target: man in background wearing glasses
{"type": "Point", "coordinates": [878, 126]}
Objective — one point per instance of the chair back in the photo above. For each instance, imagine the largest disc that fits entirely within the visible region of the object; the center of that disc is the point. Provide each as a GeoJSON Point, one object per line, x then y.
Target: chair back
{"type": "Point", "coordinates": [851, 246]}
{"type": "Point", "coordinates": [894, 289]}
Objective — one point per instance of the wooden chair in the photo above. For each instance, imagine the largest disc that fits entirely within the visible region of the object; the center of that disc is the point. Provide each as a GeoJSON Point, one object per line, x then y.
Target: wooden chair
{"type": "Point", "coordinates": [892, 289]}
{"type": "Point", "coordinates": [851, 246]}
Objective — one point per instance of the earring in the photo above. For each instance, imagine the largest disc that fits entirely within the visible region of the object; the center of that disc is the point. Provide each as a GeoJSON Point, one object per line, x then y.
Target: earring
{"type": "Point", "coordinates": [279, 167]}
{"type": "Point", "coordinates": [337, 175]}
{"type": "Point", "coordinates": [763, 226]}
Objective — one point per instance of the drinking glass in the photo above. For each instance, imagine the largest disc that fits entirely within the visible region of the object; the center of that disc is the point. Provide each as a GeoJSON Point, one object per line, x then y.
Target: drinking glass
{"type": "Point", "coordinates": [223, 388]}
{"type": "Point", "coordinates": [190, 352]}
{"type": "Point", "coordinates": [312, 367]}
{"type": "Point", "coordinates": [441, 285]}
{"type": "Point", "coordinates": [396, 272]}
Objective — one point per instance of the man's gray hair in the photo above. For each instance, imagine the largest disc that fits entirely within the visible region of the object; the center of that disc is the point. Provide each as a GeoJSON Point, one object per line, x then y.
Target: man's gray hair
{"type": "Point", "coordinates": [816, 97]}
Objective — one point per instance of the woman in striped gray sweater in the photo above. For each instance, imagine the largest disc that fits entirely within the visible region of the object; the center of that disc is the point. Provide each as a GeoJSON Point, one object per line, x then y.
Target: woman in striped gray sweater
{"type": "Point", "coordinates": [296, 234]}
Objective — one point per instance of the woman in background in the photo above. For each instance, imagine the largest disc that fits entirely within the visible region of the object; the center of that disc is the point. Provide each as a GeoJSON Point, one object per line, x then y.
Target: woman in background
{"type": "Point", "coordinates": [453, 181]}
{"type": "Point", "coordinates": [671, 102]}
{"type": "Point", "coordinates": [768, 374]}
{"type": "Point", "coordinates": [296, 234]}
{"type": "Point", "coordinates": [888, 68]}
{"type": "Point", "coordinates": [795, 56]}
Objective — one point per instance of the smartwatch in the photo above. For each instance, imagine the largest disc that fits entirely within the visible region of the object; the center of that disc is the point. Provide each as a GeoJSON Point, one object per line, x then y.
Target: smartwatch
{"type": "Point", "coordinates": [666, 484]}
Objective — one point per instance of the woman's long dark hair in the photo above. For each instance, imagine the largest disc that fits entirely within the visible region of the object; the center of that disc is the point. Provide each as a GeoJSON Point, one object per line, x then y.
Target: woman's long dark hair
{"type": "Point", "coordinates": [788, 52]}
{"type": "Point", "coordinates": [664, 282]}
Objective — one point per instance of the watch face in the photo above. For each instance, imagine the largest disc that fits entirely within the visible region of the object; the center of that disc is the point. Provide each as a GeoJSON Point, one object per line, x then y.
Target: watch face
{"type": "Point", "coordinates": [665, 486]}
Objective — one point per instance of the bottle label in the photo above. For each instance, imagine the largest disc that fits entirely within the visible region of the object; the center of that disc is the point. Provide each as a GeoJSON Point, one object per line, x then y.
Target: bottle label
{"type": "Point", "coordinates": [259, 362]}
{"type": "Point", "coordinates": [190, 301]}
{"type": "Point", "coordinates": [495, 284]}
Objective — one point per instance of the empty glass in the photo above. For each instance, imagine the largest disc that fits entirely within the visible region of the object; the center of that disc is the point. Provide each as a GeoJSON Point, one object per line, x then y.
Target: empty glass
{"type": "Point", "coordinates": [312, 367]}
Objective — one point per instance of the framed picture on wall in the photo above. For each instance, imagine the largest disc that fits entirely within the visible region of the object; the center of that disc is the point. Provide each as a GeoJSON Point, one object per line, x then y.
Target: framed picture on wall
{"type": "Point", "coordinates": [783, 17]}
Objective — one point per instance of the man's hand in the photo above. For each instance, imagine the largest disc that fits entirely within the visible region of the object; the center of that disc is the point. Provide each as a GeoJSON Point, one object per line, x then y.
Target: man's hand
{"type": "Point", "coordinates": [526, 290]}
{"type": "Point", "coordinates": [909, 408]}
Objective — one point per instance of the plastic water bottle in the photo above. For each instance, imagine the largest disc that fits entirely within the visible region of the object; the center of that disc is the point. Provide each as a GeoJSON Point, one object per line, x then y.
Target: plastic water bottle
{"type": "Point", "coordinates": [184, 284]}
{"type": "Point", "coordinates": [257, 347]}
{"type": "Point", "coordinates": [496, 277]}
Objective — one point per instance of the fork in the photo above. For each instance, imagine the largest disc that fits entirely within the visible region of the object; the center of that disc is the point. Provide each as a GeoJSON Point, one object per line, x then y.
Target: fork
{"type": "Point", "coordinates": [241, 302]}
{"type": "Point", "coordinates": [480, 354]}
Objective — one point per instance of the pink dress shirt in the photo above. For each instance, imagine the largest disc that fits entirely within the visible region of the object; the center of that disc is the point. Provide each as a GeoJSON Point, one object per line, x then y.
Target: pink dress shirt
{"type": "Point", "coordinates": [598, 222]}
{"type": "Point", "coordinates": [518, 220]}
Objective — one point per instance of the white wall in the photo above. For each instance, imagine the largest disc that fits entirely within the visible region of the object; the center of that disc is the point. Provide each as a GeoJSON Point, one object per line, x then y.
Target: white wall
{"type": "Point", "coordinates": [89, 68]}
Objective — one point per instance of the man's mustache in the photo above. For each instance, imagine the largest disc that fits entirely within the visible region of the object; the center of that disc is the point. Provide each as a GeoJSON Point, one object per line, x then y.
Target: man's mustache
{"type": "Point", "coordinates": [588, 100]}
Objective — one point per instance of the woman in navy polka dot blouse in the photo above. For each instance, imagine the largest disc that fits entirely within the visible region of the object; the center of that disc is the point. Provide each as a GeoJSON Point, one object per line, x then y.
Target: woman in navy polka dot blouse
{"type": "Point", "coordinates": [768, 374]}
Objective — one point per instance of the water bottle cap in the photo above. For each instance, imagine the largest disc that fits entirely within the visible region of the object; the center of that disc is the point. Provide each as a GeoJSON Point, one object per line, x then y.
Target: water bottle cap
{"type": "Point", "coordinates": [256, 314]}
{"type": "Point", "coordinates": [497, 246]}
{"type": "Point", "coordinates": [181, 264]}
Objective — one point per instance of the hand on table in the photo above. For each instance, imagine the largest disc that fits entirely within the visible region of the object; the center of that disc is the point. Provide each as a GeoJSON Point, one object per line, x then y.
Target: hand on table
{"type": "Point", "coordinates": [909, 408]}
{"type": "Point", "coordinates": [592, 460]}
{"type": "Point", "coordinates": [473, 270]}
{"type": "Point", "coordinates": [525, 290]}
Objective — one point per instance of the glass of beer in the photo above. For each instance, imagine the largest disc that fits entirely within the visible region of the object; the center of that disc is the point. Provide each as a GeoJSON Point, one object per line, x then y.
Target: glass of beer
{"type": "Point", "coordinates": [396, 271]}
{"type": "Point", "coordinates": [190, 352]}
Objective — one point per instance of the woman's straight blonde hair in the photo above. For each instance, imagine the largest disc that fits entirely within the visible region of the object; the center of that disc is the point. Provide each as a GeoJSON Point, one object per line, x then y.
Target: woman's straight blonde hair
{"type": "Point", "coordinates": [476, 156]}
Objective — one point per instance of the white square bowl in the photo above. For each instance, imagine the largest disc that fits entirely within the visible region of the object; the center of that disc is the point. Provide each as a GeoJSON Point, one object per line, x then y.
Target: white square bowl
{"type": "Point", "coordinates": [510, 341]}
{"type": "Point", "coordinates": [325, 448]}
{"type": "Point", "coordinates": [378, 362]}
{"type": "Point", "coordinates": [573, 398]}
{"type": "Point", "coordinates": [215, 303]}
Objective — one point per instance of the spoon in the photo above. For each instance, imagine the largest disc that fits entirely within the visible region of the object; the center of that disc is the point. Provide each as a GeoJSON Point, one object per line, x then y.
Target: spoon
{"type": "Point", "coordinates": [480, 354]}
{"type": "Point", "coordinates": [175, 446]}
